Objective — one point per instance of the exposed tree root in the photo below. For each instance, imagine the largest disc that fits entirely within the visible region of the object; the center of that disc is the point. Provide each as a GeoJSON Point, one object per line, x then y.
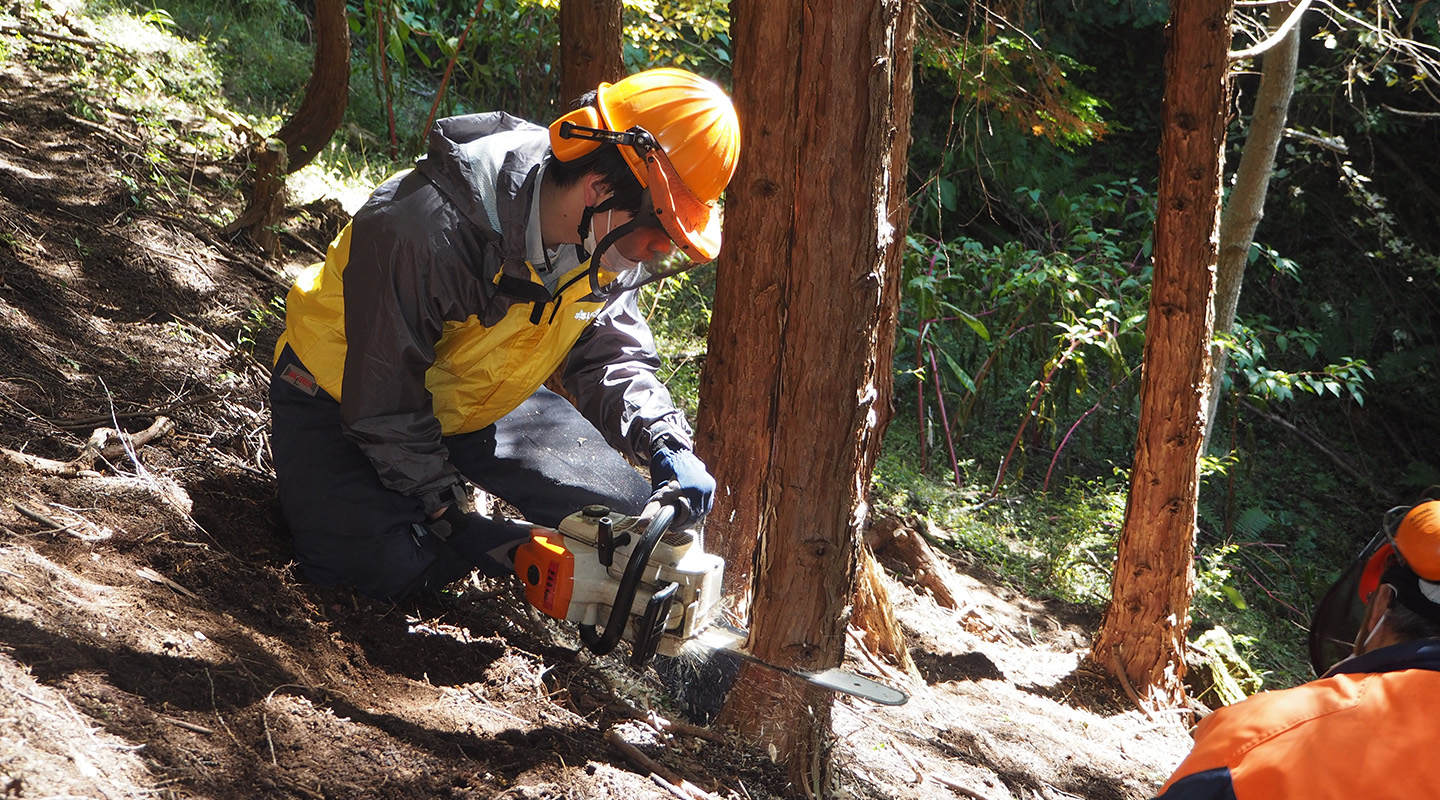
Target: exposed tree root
{"type": "Point", "coordinates": [891, 540]}
{"type": "Point", "coordinates": [109, 444]}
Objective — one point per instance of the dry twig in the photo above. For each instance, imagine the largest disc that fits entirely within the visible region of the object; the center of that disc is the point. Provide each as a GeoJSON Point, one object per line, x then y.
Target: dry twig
{"type": "Point", "coordinates": [922, 774]}
{"type": "Point", "coordinates": [189, 726]}
{"type": "Point", "coordinates": [43, 519]}
{"type": "Point", "coordinates": [667, 726]}
{"type": "Point", "coordinates": [106, 443]}
{"type": "Point", "coordinates": [681, 787]}
{"type": "Point", "coordinates": [155, 577]}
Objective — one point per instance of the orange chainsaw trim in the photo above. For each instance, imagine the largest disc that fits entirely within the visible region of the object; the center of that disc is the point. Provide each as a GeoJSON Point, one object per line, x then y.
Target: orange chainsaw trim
{"type": "Point", "coordinates": [547, 568]}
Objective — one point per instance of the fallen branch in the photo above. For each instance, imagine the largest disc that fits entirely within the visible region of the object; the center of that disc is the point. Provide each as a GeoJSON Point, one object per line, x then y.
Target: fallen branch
{"type": "Point", "coordinates": [155, 577]}
{"type": "Point", "coordinates": [1335, 458]}
{"type": "Point", "coordinates": [677, 785]}
{"type": "Point", "coordinates": [667, 726]}
{"type": "Point", "coordinates": [24, 30]}
{"type": "Point", "coordinates": [46, 466]}
{"type": "Point", "coordinates": [75, 424]}
{"type": "Point", "coordinates": [189, 726]}
{"type": "Point", "coordinates": [37, 516]}
{"type": "Point", "coordinates": [106, 443]}
{"type": "Point", "coordinates": [115, 135]}
{"type": "Point", "coordinates": [957, 787]}
{"type": "Point", "coordinates": [922, 774]}
{"type": "Point", "coordinates": [889, 538]}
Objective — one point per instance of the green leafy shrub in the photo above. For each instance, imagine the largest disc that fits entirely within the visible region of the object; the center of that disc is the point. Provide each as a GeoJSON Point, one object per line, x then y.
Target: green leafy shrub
{"type": "Point", "coordinates": [1028, 342]}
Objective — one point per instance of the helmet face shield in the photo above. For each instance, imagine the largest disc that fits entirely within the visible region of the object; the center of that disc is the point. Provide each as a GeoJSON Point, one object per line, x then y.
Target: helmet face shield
{"type": "Point", "coordinates": [1340, 613]}
{"type": "Point", "coordinates": [693, 225]}
{"type": "Point", "coordinates": [680, 136]}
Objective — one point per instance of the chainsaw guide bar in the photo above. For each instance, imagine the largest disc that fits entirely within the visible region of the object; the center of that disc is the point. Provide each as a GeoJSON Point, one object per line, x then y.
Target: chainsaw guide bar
{"type": "Point", "coordinates": [730, 640]}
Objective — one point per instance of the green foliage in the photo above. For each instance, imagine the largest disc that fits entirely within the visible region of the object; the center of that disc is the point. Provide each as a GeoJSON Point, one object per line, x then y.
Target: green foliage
{"type": "Point", "coordinates": [694, 34]}
{"type": "Point", "coordinates": [435, 58]}
{"type": "Point", "coordinates": [1065, 318]}
{"type": "Point", "coordinates": [495, 55]}
{"type": "Point", "coordinates": [1012, 97]}
{"type": "Point", "coordinates": [1027, 86]}
{"type": "Point", "coordinates": [257, 50]}
{"type": "Point", "coordinates": [678, 310]}
{"type": "Point", "coordinates": [1246, 345]}
{"type": "Point", "coordinates": [1059, 545]}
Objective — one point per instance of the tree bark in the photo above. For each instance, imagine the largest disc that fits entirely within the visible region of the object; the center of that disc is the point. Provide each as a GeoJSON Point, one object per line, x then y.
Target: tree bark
{"type": "Point", "coordinates": [1142, 638]}
{"type": "Point", "coordinates": [796, 389]}
{"type": "Point", "coordinates": [591, 49]}
{"type": "Point", "coordinates": [591, 41]}
{"type": "Point", "coordinates": [301, 139]}
{"type": "Point", "coordinates": [1252, 182]}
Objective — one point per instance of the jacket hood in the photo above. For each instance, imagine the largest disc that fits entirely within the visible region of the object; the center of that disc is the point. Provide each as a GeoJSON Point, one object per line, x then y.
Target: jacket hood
{"type": "Point", "coordinates": [487, 165]}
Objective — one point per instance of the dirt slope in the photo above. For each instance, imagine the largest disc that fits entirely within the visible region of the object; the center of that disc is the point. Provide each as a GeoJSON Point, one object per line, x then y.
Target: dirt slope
{"type": "Point", "coordinates": [156, 641]}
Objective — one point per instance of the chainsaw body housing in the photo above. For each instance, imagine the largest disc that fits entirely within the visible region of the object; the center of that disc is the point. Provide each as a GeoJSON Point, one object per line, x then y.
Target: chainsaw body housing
{"type": "Point", "coordinates": [577, 571]}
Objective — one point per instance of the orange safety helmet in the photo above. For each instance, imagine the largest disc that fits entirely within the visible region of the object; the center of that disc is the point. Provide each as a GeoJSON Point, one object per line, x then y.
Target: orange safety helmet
{"type": "Point", "coordinates": [681, 138]}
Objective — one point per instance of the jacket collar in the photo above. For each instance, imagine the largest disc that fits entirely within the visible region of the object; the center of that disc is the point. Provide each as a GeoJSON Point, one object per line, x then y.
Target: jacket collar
{"type": "Point", "coordinates": [1417, 654]}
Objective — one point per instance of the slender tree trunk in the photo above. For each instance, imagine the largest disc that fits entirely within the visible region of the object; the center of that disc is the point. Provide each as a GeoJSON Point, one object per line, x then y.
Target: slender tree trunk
{"type": "Point", "coordinates": [591, 51]}
{"type": "Point", "coordinates": [301, 139]}
{"type": "Point", "coordinates": [1252, 182]}
{"type": "Point", "coordinates": [591, 41]}
{"type": "Point", "coordinates": [1143, 637]}
{"type": "Point", "coordinates": [796, 389]}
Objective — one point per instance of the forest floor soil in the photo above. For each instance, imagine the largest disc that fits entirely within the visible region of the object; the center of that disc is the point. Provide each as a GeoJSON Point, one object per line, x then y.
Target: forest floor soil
{"type": "Point", "coordinates": [156, 639]}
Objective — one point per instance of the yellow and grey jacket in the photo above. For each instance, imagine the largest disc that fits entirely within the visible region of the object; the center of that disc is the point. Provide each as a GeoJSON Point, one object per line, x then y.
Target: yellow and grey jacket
{"type": "Point", "coordinates": [437, 312]}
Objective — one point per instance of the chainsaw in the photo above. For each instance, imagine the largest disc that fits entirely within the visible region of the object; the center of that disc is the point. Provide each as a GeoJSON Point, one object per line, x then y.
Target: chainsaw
{"type": "Point", "coordinates": [638, 579]}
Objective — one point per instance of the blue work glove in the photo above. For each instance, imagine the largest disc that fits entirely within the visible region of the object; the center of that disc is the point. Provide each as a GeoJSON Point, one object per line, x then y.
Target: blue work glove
{"type": "Point", "coordinates": [675, 463]}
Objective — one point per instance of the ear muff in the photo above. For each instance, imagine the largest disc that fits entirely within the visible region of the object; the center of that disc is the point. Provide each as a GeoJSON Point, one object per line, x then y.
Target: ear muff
{"type": "Point", "coordinates": [1418, 540]}
{"type": "Point", "coordinates": [571, 148]}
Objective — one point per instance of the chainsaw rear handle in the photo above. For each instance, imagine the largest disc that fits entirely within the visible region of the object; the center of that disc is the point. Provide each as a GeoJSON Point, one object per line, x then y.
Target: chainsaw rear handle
{"type": "Point", "coordinates": [602, 643]}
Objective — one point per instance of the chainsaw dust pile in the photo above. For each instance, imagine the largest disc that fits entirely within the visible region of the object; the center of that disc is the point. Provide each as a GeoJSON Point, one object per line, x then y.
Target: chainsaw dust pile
{"type": "Point", "coordinates": [156, 641]}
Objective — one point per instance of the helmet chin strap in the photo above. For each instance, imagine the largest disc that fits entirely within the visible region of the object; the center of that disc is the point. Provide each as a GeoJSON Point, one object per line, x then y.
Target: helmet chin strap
{"type": "Point", "coordinates": [645, 218]}
{"type": "Point", "coordinates": [603, 246]}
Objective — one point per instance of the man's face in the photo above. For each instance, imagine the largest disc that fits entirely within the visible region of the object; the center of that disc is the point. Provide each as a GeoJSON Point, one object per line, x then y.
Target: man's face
{"type": "Point", "coordinates": [639, 245]}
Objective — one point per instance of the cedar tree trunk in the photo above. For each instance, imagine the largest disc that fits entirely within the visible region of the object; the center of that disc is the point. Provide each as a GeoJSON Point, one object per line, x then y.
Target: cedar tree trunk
{"type": "Point", "coordinates": [1142, 640]}
{"type": "Point", "coordinates": [796, 389]}
{"type": "Point", "coordinates": [591, 38]}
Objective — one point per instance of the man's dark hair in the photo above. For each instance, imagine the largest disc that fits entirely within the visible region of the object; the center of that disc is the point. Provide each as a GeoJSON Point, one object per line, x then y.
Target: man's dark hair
{"type": "Point", "coordinates": [607, 162]}
{"type": "Point", "coordinates": [1406, 622]}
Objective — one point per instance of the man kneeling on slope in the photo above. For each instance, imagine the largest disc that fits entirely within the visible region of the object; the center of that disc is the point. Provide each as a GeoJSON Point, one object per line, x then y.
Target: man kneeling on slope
{"type": "Point", "coordinates": [413, 358]}
{"type": "Point", "coordinates": [1368, 727]}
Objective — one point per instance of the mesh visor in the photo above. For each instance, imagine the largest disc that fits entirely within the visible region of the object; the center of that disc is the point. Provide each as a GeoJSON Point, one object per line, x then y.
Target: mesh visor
{"type": "Point", "coordinates": [1338, 616]}
{"type": "Point", "coordinates": [691, 224]}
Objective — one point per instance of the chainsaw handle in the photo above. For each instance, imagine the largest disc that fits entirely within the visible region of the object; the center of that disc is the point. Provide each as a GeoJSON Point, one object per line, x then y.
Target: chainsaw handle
{"type": "Point", "coordinates": [602, 643]}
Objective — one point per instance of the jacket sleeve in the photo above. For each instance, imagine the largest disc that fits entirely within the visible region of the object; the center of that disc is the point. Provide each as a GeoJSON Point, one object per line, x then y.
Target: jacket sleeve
{"type": "Point", "coordinates": [611, 371]}
{"type": "Point", "coordinates": [1211, 784]}
{"type": "Point", "coordinates": [398, 284]}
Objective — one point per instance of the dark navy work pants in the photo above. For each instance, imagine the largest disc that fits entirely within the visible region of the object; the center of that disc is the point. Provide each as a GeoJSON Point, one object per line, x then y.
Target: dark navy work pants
{"type": "Point", "coordinates": [544, 458]}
